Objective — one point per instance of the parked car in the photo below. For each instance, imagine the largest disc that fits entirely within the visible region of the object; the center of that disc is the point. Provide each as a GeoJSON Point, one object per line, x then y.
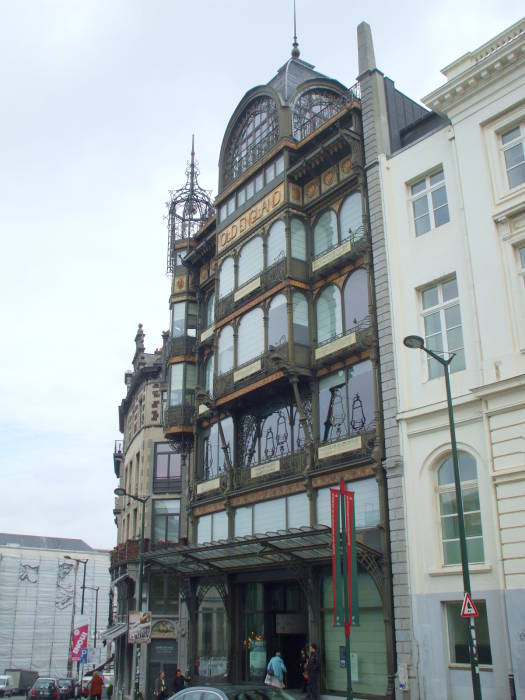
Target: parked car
{"type": "Point", "coordinates": [233, 692]}
{"type": "Point", "coordinates": [66, 687]}
{"type": "Point", "coordinates": [6, 686]}
{"type": "Point", "coordinates": [45, 688]}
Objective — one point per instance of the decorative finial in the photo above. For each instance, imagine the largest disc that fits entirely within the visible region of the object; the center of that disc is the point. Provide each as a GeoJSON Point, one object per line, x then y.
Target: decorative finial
{"type": "Point", "coordinates": [295, 46]}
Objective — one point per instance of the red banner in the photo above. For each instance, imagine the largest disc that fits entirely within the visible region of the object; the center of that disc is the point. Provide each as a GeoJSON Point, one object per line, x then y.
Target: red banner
{"type": "Point", "coordinates": [80, 641]}
{"type": "Point", "coordinates": [334, 510]}
{"type": "Point", "coordinates": [349, 522]}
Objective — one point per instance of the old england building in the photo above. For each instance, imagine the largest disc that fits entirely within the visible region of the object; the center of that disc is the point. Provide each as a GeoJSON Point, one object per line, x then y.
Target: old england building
{"type": "Point", "coordinates": [280, 377]}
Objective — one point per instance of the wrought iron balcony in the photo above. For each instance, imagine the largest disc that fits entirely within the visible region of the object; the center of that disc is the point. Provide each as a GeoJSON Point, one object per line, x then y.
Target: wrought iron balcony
{"type": "Point", "coordinates": [224, 307]}
{"type": "Point", "coordinates": [346, 449]}
{"type": "Point", "coordinates": [127, 551]}
{"type": "Point", "coordinates": [185, 345]}
{"type": "Point", "coordinates": [179, 416]}
{"type": "Point", "coordinates": [355, 339]}
{"type": "Point", "coordinates": [223, 384]}
{"type": "Point", "coordinates": [273, 469]}
{"type": "Point", "coordinates": [342, 253]}
{"type": "Point", "coordinates": [118, 456]}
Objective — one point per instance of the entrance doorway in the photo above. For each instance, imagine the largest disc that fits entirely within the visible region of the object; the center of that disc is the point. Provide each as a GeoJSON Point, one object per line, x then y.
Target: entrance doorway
{"type": "Point", "coordinates": [290, 647]}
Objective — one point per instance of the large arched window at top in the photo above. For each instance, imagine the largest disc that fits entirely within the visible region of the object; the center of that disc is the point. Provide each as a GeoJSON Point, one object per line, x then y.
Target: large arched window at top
{"type": "Point", "coordinates": [312, 109]}
{"type": "Point", "coordinates": [256, 131]}
{"type": "Point", "coordinates": [225, 350]}
{"type": "Point", "coordinates": [351, 217]}
{"type": "Point", "coordinates": [250, 260]}
{"type": "Point", "coordinates": [276, 243]}
{"type": "Point", "coordinates": [325, 232]}
{"type": "Point", "coordinates": [355, 294]}
{"type": "Point", "coordinates": [250, 340]}
{"type": "Point", "coordinates": [328, 314]}
{"type": "Point", "coordinates": [471, 509]}
{"type": "Point", "coordinates": [277, 321]}
{"type": "Point", "coordinates": [226, 278]}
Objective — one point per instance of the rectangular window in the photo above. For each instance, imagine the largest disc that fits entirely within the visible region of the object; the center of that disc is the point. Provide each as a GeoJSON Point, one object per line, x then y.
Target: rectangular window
{"type": "Point", "coordinates": [279, 165]}
{"type": "Point", "coordinates": [178, 319]}
{"type": "Point", "coordinates": [521, 262]}
{"type": "Point", "coordinates": [458, 632]}
{"type": "Point", "coordinates": [269, 172]}
{"type": "Point", "coordinates": [367, 513]}
{"type": "Point", "coordinates": [164, 594]}
{"type": "Point", "coordinates": [259, 182]}
{"type": "Point", "coordinates": [167, 474]}
{"type": "Point", "coordinates": [512, 144]}
{"type": "Point", "coordinates": [250, 189]}
{"type": "Point", "coordinates": [230, 205]}
{"type": "Point", "coordinates": [165, 527]}
{"type": "Point", "coordinates": [429, 202]}
{"type": "Point", "coordinates": [443, 332]}
{"type": "Point", "coordinates": [176, 377]}
{"type": "Point", "coordinates": [223, 212]}
{"type": "Point", "coordinates": [241, 197]}
{"type": "Point", "coordinates": [212, 527]}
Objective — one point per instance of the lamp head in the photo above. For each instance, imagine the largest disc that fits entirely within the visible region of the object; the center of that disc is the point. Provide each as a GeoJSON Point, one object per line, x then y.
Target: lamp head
{"type": "Point", "coordinates": [414, 342]}
{"type": "Point", "coordinates": [120, 492]}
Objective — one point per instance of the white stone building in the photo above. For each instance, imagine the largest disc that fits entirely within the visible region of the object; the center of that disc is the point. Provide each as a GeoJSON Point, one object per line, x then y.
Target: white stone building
{"type": "Point", "coordinates": [448, 207]}
{"type": "Point", "coordinates": [41, 581]}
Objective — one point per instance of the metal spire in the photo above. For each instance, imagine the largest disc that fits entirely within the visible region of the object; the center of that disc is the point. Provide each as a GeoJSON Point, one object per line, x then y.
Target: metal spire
{"type": "Point", "coordinates": [295, 46]}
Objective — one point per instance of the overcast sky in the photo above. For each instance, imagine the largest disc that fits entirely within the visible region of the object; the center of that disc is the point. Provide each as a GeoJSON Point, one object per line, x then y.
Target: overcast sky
{"type": "Point", "coordinates": [99, 99]}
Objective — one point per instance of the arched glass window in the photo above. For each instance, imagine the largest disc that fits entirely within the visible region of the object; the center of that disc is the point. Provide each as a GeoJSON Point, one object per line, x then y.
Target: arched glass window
{"type": "Point", "coordinates": [325, 232]}
{"type": "Point", "coordinates": [208, 375]}
{"type": "Point", "coordinates": [471, 509]}
{"type": "Point", "coordinates": [214, 459]}
{"type": "Point", "coordinates": [329, 323]}
{"type": "Point", "coordinates": [256, 131]}
{"type": "Point", "coordinates": [183, 378]}
{"type": "Point", "coordinates": [312, 109]}
{"type": "Point", "coordinates": [250, 260]}
{"type": "Point", "coordinates": [226, 278]}
{"type": "Point", "coordinates": [250, 341]}
{"type": "Point", "coordinates": [351, 217]}
{"type": "Point", "coordinates": [298, 233]}
{"type": "Point", "coordinates": [225, 350]}
{"type": "Point", "coordinates": [277, 321]}
{"type": "Point", "coordinates": [301, 334]}
{"type": "Point", "coordinates": [210, 310]}
{"type": "Point", "coordinates": [276, 243]}
{"type": "Point", "coordinates": [355, 294]}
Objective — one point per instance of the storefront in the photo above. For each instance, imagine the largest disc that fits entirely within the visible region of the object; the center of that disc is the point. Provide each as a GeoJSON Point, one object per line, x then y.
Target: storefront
{"type": "Point", "coordinates": [253, 596]}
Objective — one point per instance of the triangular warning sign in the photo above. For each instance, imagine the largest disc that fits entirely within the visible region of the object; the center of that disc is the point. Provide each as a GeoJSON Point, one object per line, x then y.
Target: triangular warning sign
{"type": "Point", "coordinates": [468, 609]}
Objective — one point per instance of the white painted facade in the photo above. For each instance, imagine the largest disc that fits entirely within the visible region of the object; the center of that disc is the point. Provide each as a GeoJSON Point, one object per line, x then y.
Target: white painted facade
{"type": "Point", "coordinates": [484, 96]}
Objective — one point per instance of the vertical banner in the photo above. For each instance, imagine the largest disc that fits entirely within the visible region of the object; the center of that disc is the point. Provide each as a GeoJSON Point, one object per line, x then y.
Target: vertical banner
{"type": "Point", "coordinates": [355, 587]}
{"type": "Point", "coordinates": [80, 637]}
{"type": "Point", "coordinates": [349, 545]}
{"type": "Point", "coordinates": [337, 563]}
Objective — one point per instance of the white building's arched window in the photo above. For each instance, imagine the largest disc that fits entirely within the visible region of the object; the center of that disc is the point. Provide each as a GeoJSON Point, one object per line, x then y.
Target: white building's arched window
{"type": "Point", "coordinates": [208, 375]}
{"type": "Point", "coordinates": [328, 313]}
{"type": "Point", "coordinates": [277, 321]}
{"type": "Point", "coordinates": [325, 232]}
{"type": "Point", "coordinates": [355, 295]}
{"type": "Point", "coordinates": [226, 278]}
{"type": "Point", "coordinates": [471, 509]}
{"type": "Point", "coordinates": [298, 234]}
{"type": "Point", "coordinates": [276, 243]}
{"type": "Point", "coordinates": [210, 310]}
{"type": "Point", "coordinates": [351, 217]}
{"type": "Point", "coordinates": [250, 342]}
{"type": "Point", "coordinates": [250, 260]}
{"type": "Point", "coordinates": [301, 333]}
{"type": "Point", "coordinates": [225, 350]}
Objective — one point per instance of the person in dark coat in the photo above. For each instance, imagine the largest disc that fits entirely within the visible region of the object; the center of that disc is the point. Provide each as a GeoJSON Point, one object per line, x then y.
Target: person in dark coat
{"type": "Point", "coordinates": [313, 684]}
{"type": "Point", "coordinates": [303, 670]}
{"type": "Point", "coordinates": [160, 687]}
{"type": "Point", "coordinates": [180, 682]}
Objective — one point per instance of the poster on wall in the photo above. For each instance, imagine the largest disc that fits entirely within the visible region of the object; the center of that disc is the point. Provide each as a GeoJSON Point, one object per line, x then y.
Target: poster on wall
{"type": "Point", "coordinates": [139, 628]}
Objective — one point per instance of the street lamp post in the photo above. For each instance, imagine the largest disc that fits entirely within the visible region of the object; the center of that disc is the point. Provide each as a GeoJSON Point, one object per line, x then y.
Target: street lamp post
{"type": "Point", "coordinates": [96, 589]}
{"type": "Point", "coordinates": [84, 563]}
{"type": "Point", "coordinates": [415, 342]}
{"type": "Point", "coordinates": [142, 500]}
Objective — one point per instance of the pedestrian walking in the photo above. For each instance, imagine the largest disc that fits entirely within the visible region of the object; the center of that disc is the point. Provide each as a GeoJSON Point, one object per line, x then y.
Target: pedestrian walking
{"type": "Point", "coordinates": [275, 671]}
{"type": "Point", "coordinates": [160, 687]}
{"type": "Point", "coordinates": [180, 682]}
{"type": "Point", "coordinates": [303, 670]}
{"type": "Point", "coordinates": [313, 684]}
{"type": "Point", "coordinates": [95, 687]}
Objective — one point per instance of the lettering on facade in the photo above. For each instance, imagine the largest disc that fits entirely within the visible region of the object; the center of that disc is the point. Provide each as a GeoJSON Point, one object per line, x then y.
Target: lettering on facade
{"type": "Point", "coordinates": [247, 371]}
{"type": "Point", "coordinates": [340, 344]}
{"type": "Point", "coordinates": [206, 486]}
{"type": "Point", "coordinates": [249, 219]}
{"type": "Point", "coordinates": [331, 255]}
{"type": "Point", "coordinates": [339, 447]}
{"type": "Point", "coordinates": [268, 468]}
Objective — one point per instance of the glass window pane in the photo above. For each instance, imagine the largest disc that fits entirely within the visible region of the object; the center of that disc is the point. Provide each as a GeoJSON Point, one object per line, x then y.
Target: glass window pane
{"type": "Point", "coordinates": [279, 165]}
{"type": "Point", "coordinates": [366, 503]}
{"type": "Point", "coordinates": [276, 243]}
{"type": "Point", "coordinates": [178, 319]}
{"type": "Point", "coordinates": [269, 516]}
{"type": "Point", "coordinates": [451, 552]}
{"type": "Point", "coordinates": [176, 377]}
{"type": "Point", "coordinates": [191, 329]}
{"type": "Point", "coordinates": [277, 321]}
{"type": "Point", "coordinates": [298, 509]}
{"type": "Point", "coordinates": [446, 473]}
{"type": "Point", "coordinates": [250, 341]}
{"type": "Point", "coordinates": [475, 550]}
{"type": "Point", "coordinates": [432, 324]}
{"type": "Point", "coordinates": [301, 333]}
{"type": "Point", "coordinates": [450, 289]}
{"type": "Point", "coordinates": [452, 316]}
{"type": "Point", "coordinates": [225, 348]}
{"type": "Point", "coordinates": [243, 521]}
{"type": "Point", "coordinates": [208, 381]}
{"type": "Point", "coordinates": [230, 205]}
{"type": "Point", "coordinates": [323, 507]}
{"type": "Point", "coordinates": [259, 182]}
{"type": "Point", "coordinates": [172, 528]}
{"type": "Point", "coordinates": [454, 339]}
{"type": "Point", "coordinates": [422, 225]}
{"type": "Point", "coordinates": [298, 233]}
{"type": "Point", "coordinates": [361, 403]}
{"type": "Point", "coordinates": [436, 177]}
{"type": "Point", "coordinates": [439, 197]}
{"type": "Point", "coordinates": [161, 466]}
{"type": "Point", "coordinates": [226, 278]}
{"type": "Point", "coordinates": [430, 297]}
{"type": "Point", "coordinates": [522, 256]}
{"type": "Point", "coordinates": [241, 197]}
{"type": "Point", "coordinates": [420, 206]}
{"type": "Point", "coordinates": [269, 172]}
{"type": "Point", "coordinates": [458, 363]}
{"type": "Point", "coordinates": [514, 155]}
{"type": "Point", "coordinates": [250, 189]}
{"type": "Point", "coordinates": [418, 186]}
{"type": "Point", "coordinates": [441, 216]}
{"type": "Point", "coordinates": [450, 528]}
{"type": "Point", "coordinates": [210, 310]}
{"type": "Point", "coordinates": [220, 526]}
{"type": "Point", "coordinates": [204, 529]}
{"type": "Point", "coordinates": [328, 312]}
{"type": "Point", "coordinates": [447, 503]}
{"type": "Point", "coordinates": [355, 295]}
{"type": "Point", "coordinates": [250, 260]}
{"type": "Point", "coordinates": [473, 524]}
{"type": "Point", "coordinates": [351, 217]}
{"type": "Point", "coordinates": [509, 136]}
{"type": "Point", "coordinates": [517, 175]}
{"type": "Point", "coordinates": [325, 232]}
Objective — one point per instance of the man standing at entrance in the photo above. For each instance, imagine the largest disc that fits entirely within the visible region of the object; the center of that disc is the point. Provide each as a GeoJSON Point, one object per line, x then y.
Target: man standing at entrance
{"type": "Point", "coordinates": [160, 687]}
{"type": "Point", "coordinates": [313, 683]}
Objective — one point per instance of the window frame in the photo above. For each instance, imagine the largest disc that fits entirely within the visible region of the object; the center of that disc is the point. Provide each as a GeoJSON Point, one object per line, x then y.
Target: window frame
{"type": "Point", "coordinates": [164, 516]}
{"type": "Point", "coordinates": [427, 193]}
{"type": "Point", "coordinates": [168, 483]}
{"type": "Point", "coordinates": [506, 147]}
{"type": "Point", "coordinates": [481, 605]}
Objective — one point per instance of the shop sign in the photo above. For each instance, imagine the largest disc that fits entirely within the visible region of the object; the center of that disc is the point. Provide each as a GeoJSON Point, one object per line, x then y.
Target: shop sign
{"type": "Point", "coordinates": [139, 629]}
{"type": "Point", "coordinates": [163, 651]}
{"type": "Point", "coordinates": [80, 637]}
{"type": "Point", "coordinates": [163, 629]}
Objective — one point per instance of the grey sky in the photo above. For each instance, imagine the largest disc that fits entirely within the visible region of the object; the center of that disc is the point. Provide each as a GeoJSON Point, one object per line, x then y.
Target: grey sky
{"type": "Point", "coordinates": [99, 102]}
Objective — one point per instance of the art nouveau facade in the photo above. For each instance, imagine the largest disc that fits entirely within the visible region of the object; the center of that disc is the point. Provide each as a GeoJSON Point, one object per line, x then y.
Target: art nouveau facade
{"type": "Point", "coordinates": [450, 223]}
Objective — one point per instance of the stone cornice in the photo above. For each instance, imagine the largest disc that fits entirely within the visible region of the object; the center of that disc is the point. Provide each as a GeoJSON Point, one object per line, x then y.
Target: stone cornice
{"type": "Point", "coordinates": [478, 69]}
